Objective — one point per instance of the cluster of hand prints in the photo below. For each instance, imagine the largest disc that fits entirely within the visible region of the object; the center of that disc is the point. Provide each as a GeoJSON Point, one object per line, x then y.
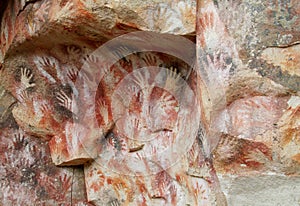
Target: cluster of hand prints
{"type": "Point", "coordinates": [20, 22]}
{"type": "Point", "coordinates": [141, 122]}
{"type": "Point", "coordinates": [139, 118]}
{"type": "Point", "coordinates": [26, 167]}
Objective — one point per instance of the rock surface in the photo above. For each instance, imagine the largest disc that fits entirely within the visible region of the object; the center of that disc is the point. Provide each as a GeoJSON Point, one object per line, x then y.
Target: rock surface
{"type": "Point", "coordinates": [28, 176]}
{"type": "Point", "coordinates": [149, 102]}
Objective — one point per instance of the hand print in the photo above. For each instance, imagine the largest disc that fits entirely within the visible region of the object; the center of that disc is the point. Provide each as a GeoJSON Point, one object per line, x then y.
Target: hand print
{"type": "Point", "coordinates": [154, 151]}
{"type": "Point", "coordinates": [160, 17]}
{"type": "Point", "coordinates": [187, 11]}
{"type": "Point", "coordinates": [93, 68]}
{"type": "Point", "coordinates": [122, 51]}
{"type": "Point", "coordinates": [59, 187]}
{"type": "Point", "coordinates": [72, 74]}
{"type": "Point", "coordinates": [199, 191]}
{"type": "Point", "coordinates": [17, 162]}
{"type": "Point", "coordinates": [89, 74]}
{"type": "Point", "coordinates": [228, 148]}
{"type": "Point", "coordinates": [173, 80]}
{"type": "Point", "coordinates": [208, 21]}
{"type": "Point", "coordinates": [141, 79]}
{"type": "Point", "coordinates": [73, 51]}
{"type": "Point", "coordinates": [164, 104]}
{"type": "Point", "coordinates": [65, 181]}
{"type": "Point", "coordinates": [181, 179]}
{"type": "Point", "coordinates": [42, 12]}
{"type": "Point", "coordinates": [26, 78]}
{"type": "Point", "coordinates": [119, 186]}
{"type": "Point", "coordinates": [101, 178]}
{"type": "Point", "coordinates": [114, 203]}
{"type": "Point", "coordinates": [18, 141]}
{"type": "Point", "coordinates": [48, 62]}
{"type": "Point", "coordinates": [45, 64]}
{"type": "Point", "coordinates": [162, 182]}
{"type": "Point", "coordinates": [193, 153]}
{"type": "Point", "coordinates": [257, 156]}
{"type": "Point", "coordinates": [116, 142]}
{"type": "Point", "coordinates": [110, 78]}
{"type": "Point", "coordinates": [208, 142]}
{"type": "Point", "coordinates": [92, 61]}
{"type": "Point", "coordinates": [173, 190]}
{"type": "Point", "coordinates": [211, 29]}
{"type": "Point", "coordinates": [151, 60]}
{"type": "Point", "coordinates": [217, 71]}
{"type": "Point", "coordinates": [133, 127]}
{"type": "Point", "coordinates": [133, 90]}
{"type": "Point", "coordinates": [45, 109]}
{"type": "Point", "coordinates": [134, 131]}
{"type": "Point", "coordinates": [65, 101]}
{"type": "Point", "coordinates": [103, 111]}
{"type": "Point", "coordinates": [166, 101]}
{"type": "Point", "coordinates": [37, 152]}
{"type": "Point", "coordinates": [125, 65]}
{"type": "Point", "coordinates": [24, 98]}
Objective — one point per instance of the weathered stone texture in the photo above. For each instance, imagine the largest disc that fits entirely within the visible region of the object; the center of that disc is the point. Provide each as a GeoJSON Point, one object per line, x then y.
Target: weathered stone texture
{"type": "Point", "coordinates": [248, 60]}
{"type": "Point", "coordinates": [28, 176]}
{"type": "Point", "coordinates": [202, 109]}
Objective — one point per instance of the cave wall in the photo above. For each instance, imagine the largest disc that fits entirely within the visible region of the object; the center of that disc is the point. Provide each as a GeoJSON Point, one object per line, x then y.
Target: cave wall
{"type": "Point", "coordinates": [150, 102]}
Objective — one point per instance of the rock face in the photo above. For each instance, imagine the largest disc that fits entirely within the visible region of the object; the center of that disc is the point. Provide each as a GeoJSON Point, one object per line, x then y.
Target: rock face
{"type": "Point", "coordinates": [149, 102]}
{"type": "Point", "coordinates": [28, 176]}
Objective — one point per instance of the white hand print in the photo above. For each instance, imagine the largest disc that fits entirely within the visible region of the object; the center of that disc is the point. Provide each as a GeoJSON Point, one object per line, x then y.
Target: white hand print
{"type": "Point", "coordinates": [91, 67]}
{"type": "Point", "coordinates": [160, 17]}
{"type": "Point", "coordinates": [91, 60]}
{"type": "Point", "coordinates": [114, 203]}
{"type": "Point", "coordinates": [141, 79]}
{"type": "Point", "coordinates": [66, 102]}
{"type": "Point", "coordinates": [217, 71]}
{"type": "Point", "coordinates": [173, 80]}
{"type": "Point", "coordinates": [26, 78]}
